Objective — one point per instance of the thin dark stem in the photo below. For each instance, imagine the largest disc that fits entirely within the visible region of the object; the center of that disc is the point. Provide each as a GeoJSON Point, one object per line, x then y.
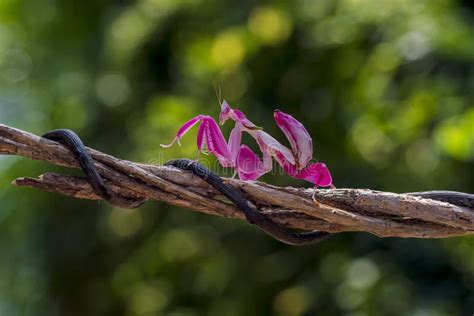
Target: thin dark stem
{"type": "Point", "coordinates": [252, 215]}
{"type": "Point", "coordinates": [384, 214]}
{"type": "Point", "coordinates": [452, 197]}
{"type": "Point", "coordinates": [74, 143]}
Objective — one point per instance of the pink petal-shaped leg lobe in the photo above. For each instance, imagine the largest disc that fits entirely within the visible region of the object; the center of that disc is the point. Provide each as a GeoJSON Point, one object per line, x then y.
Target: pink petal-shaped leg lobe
{"type": "Point", "coordinates": [184, 129]}
{"type": "Point", "coordinates": [316, 173]}
{"type": "Point", "coordinates": [216, 143]}
{"type": "Point", "coordinates": [274, 148]}
{"type": "Point", "coordinates": [295, 162]}
{"type": "Point", "coordinates": [201, 135]}
{"type": "Point", "coordinates": [235, 139]}
{"type": "Point", "coordinates": [299, 138]}
{"type": "Point", "coordinates": [249, 166]}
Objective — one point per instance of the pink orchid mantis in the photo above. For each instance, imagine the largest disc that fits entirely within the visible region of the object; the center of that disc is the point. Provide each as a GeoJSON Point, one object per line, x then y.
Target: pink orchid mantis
{"type": "Point", "coordinates": [295, 161]}
{"type": "Point", "coordinates": [210, 137]}
{"type": "Point", "coordinates": [232, 154]}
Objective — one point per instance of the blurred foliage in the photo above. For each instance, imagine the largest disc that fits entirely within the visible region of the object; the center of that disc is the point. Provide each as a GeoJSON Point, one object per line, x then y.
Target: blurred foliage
{"type": "Point", "coordinates": [384, 87]}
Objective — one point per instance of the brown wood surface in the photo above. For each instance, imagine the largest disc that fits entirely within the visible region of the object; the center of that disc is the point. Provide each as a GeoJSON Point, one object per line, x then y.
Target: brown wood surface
{"type": "Point", "coordinates": [384, 214]}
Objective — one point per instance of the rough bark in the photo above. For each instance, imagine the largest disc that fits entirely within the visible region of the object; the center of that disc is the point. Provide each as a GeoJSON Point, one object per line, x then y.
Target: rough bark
{"type": "Point", "coordinates": [383, 214]}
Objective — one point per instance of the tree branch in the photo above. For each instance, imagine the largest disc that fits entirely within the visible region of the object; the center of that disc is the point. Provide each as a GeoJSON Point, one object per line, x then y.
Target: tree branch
{"type": "Point", "coordinates": [381, 213]}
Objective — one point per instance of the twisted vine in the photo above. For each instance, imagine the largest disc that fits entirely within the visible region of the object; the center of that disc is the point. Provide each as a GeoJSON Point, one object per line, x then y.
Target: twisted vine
{"type": "Point", "coordinates": [278, 211]}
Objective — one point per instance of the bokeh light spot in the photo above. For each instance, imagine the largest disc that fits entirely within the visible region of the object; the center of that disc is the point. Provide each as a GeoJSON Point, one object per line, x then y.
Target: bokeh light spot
{"type": "Point", "coordinates": [456, 136]}
{"type": "Point", "coordinates": [412, 117]}
{"type": "Point", "coordinates": [125, 223]}
{"type": "Point", "coordinates": [148, 299]}
{"type": "Point", "coordinates": [371, 141]}
{"type": "Point", "coordinates": [362, 274]}
{"type": "Point", "coordinates": [385, 58]}
{"type": "Point", "coordinates": [179, 245]}
{"type": "Point", "coordinates": [270, 25]}
{"type": "Point", "coordinates": [228, 49]}
{"type": "Point", "coordinates": [421, 157]}
{"type": "Point", "coordinates": [375, 87]}
{"type": "Point", "coordinates": [126, 34]}
{"type": "Point", "coordinates": [112, 89]}
{"type": "Point", "coordinates": [293, 301]}
{"type": "Point", "coordinates": [334, 31]}
{"type": "Point", "coordinates": [347, 297]}
{"type": "Point", "coordinates": [414, 45]}
{"type": "Point", "coordinates": [15, 65]}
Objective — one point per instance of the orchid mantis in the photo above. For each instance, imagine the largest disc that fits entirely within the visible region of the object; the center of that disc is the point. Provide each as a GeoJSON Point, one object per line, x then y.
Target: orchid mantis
{"type": "Point", "coordinates": [210, 137]}
{"type": "Point", "coordinates": [296, 161]}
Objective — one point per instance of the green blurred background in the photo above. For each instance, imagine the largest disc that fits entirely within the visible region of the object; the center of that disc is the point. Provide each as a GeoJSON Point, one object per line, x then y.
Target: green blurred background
{"type": "Point", "coordinates": [384, 87]}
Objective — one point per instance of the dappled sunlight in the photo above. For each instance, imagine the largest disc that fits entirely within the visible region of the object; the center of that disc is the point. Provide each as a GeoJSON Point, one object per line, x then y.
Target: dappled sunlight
{"type": "Point", "coordinates": [383, 88]}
